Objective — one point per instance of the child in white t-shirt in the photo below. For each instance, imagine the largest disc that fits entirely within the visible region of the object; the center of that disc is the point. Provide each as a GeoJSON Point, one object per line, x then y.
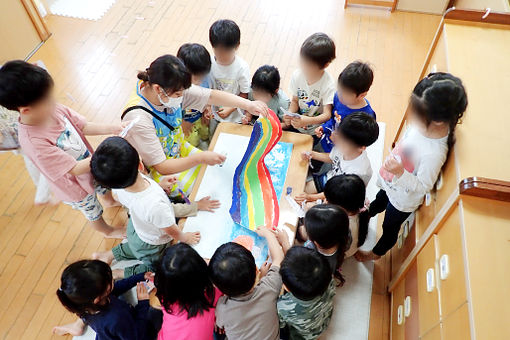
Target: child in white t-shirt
{"type": "Point", "coordinates": [411, 170]}
{"type": "Point", "coordinates": [351, 138]}
{"type": "Point", "coordinates": [152, 225]}
{"type": "Point", "coordinates": [229, 72]}
{"type": "Point", "coordinates": [311, 87]}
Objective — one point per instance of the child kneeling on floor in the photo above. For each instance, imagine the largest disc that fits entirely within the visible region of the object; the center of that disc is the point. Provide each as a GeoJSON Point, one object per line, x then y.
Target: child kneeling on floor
{"type": "Point", "coordinates": [151, 226]}
{"type": "Point", "coordinates": [305, 310]}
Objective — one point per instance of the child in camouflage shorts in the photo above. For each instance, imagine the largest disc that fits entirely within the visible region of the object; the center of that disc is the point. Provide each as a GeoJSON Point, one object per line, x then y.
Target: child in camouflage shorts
{"type": "Point", "coordinates": [305, 309]}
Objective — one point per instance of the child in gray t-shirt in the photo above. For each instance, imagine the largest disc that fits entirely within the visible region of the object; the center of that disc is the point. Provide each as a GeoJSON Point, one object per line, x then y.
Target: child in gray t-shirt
{"type": "Point", "coordinates": [247, 310]}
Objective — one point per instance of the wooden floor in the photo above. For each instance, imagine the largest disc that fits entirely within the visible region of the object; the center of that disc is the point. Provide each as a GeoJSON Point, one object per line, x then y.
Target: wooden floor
{"type": "Point", "coordinates": [94, 66]}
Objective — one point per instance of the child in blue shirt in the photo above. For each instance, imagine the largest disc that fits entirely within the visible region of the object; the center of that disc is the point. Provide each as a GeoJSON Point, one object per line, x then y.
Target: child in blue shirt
{"type": "Point", "coordinates": [353, 85]}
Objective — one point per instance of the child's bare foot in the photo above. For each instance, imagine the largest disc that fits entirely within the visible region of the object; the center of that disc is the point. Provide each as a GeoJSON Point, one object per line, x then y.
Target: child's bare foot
{"type": "Point", "coordinates": [118, 274]}
{"type": "Point", "coordinates": [75, 329]}
{"type": "Point", "coordinates": [116, 233]}
{"type": "Point", "coordinates": [105, 256]}
{"type": "Point", "coordinates": [363, 256]}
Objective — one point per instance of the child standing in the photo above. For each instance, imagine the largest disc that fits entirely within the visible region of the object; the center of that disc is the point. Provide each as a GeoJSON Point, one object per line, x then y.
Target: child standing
{"type": "Point", "coordinates": [437, 103]}
{"type": "Point", "coordinates": [265, 86]}
{"type": "Point", "coordinates": [348, 192]}
{"type": "Point", "coordinates": [353, 85]}
{"type": "Point", "coordinates": [151, 226]}
{"type": "Point", "coordinates": [229, 72]}
{"type": "Point", "coordinates": [349, 156]}
{"type": "Point", "coordinates": [52, 136]}
{"type": "Point", "coordinates": [306, 307]}
{"type": "Point", "coordinates": [247, 311]}
{"type": "Point", "coordinates": [195, 124]}
{"type": "Point", "coordinates": [186, 293]}
{"type": "Point", "coordinates": [87, 290]}
{"type": "Point", "coordinates": [311, 87]}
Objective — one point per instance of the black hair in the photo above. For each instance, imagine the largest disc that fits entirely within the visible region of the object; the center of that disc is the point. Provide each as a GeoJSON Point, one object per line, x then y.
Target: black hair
{"type": "Point", "coordinates": [81, 283]}
{"type": "Point", "coordinates": [305, 273]}
{"type": "Point", "coordinates": [232, 269]}
{"type": "Point", "coordinates": [348, 191]}
{"type": "Point", "coordinates": [357, 77]}
{"type": "Point", "coordinates": [318, 48]}
{"type": "Point", "coordinates": [196, 58]}
{"type": "Point", "coordinates": [23, 84]}
{"type": "Point", "coordinates": [225, 33]}
{"type": "Point", "coordinates": [328, 226]}
{"type": "Point", "coordinates": [440, 97]}
{"type": "Point", "coordinates": [266, 78]}
{"type": "Point", "coordinates": [359, 128]}
{"type": "Point", "coordinates": [181, 278]}
{"type": "Point", "coordinates": [115, 163]}
{"type": "Point", "coordinates": [169, 72]}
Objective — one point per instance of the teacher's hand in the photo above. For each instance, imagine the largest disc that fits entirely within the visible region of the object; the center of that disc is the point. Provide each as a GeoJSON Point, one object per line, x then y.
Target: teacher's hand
{"type": "Point", "coordinates": [212, 158]}
{"type": "Point", "coordinates": [257, 108]}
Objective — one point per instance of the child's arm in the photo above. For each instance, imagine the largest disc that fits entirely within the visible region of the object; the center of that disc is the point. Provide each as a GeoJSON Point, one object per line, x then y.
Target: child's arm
{"type": "Point", "coordinates": [176, 233]}
{"type": "Point", "coordinates": [81, 167]}
{"type": "Point", "coordinates": [275, 250]}
{"type": "Point", "coordinates": [122, 286]}
{"type": "Point", "coordinates": [319, 156]}
{"type": "Point", "coordinates": [93, 129]}
{"type": "Point", "coordinates": [300, 198]}
{"type": "Point", "coordinates": [306, 121]}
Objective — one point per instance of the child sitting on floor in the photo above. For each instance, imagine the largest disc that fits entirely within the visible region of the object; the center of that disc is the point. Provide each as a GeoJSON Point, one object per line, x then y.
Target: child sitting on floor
{"type": "Point", "coordinates": [353, 85]}
{"type": "Point", "coordinates": [349, 156]}
{"type": "Point", "coordinates": [311, 87]}
{"type": "Point", "coordinates": [348, 192]}
{"type": "Point", "coordinates": [186, 293]}
{"type": "Point", "coordinates": [229, 72]}
{"type": "Point", "coordinates": [305, 309]}
{"type": "Point", "coordinates": [87, 290]}
{"type": "Point", "coordinates": [247, 311]}
{"type": "Point", "coordinates": [265, 86]}
{"type": "Point", "coordinates": [52, 136]}
{"type": "Point", "coordinates": [410, 171]}
{"type": "Point", "coordinates": [151, 226]}
{"type": "Point", "coordinates": [195, 124]}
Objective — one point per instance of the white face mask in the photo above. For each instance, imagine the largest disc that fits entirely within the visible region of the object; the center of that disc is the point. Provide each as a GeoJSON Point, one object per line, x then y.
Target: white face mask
{"type": "Point", "coordinates": [173, 103]}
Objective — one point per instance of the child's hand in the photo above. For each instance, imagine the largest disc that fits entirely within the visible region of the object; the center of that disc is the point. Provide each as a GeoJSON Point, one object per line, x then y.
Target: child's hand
{"type": "Point", "coordinates": [300, 122]}
{"type": "Point", "coordinates": [283, 239]}
{"type": "Point", "coordinates": [287, 120]}
{"type": "Point", "coordinates": [167, 183]}
{"type": "Point", "coordinates": [224, 112]}
{"type": "Point", "coordinates": [319, 131]}
{"type": "Point", "coordinates": [265, 232]}
{"type": "Point", "coordinates": [394, 166]}
{"type": "Point", "coordinates": [264, 269]}
{"type": "Point", "coordinates": [141, 292]}
{"type": "Point", "coordinates": [306, 155]}
{"type": "Point", "coordinates": [212, 158]}
{"type": "Point", "coordinates": [207, 114]}
{"type": "Point", "coordinates": [207, 204]}
{"type": "Point", "coordinates": [300, 198]}
{"type": "Point", "coordinates": [149, 276]}
{"type": "Point", "coordinates": [247, 118]}
{"type": "Point", "coordinates": [190, 238]}
{"type": "Point", "coordinates": [186, 127]}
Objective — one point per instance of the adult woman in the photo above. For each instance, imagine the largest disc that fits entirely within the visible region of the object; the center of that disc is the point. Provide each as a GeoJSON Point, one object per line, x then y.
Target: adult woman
{"type": "Point", "coordinates": [161, 92]}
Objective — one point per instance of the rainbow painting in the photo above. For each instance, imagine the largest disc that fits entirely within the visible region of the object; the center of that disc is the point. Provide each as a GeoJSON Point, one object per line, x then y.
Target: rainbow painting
{"type": "Point", "coordinates": [254, 200]}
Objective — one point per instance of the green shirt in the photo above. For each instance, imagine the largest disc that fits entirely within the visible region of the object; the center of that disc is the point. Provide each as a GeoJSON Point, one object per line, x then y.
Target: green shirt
{"type": "Point", "coordinates": [306, 319]}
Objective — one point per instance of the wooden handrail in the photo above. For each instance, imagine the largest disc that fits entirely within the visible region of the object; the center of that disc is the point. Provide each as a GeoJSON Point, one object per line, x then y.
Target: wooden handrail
{"type": "Point", "coordinates": [485, 187]}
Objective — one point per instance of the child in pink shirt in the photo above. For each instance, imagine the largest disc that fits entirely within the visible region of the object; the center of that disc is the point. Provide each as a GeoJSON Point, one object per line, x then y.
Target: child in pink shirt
{"type": "Point", "coordinates": [187, 295]}
{"type": "Point", "coordinates": [52, 136]}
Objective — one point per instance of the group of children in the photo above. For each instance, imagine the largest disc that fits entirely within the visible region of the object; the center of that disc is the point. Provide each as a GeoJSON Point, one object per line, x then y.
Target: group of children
{"type": "Point", "coordinates": [227, 295]}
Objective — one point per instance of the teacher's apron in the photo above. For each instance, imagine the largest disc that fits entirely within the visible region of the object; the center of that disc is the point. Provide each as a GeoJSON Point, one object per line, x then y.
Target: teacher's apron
{"type": "Point", "coordinates": [172, 141]}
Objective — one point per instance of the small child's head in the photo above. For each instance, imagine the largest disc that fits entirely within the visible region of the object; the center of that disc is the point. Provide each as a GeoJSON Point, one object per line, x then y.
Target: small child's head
{"type": "Point", "coordinates": [197, 59]}
{"type": "Point", "coordinates": [439, 98]}
{"type": "Point", "coordinates": [355, 133]}
{"type": "Point", "coordinates": [305, 273]}
{"type": "Point", "coordinates": [232, 269]}
{"type": "Point", "coordinates": [85, 286]}
{"type": "Point", "coordinates": [317, 52]}
{"type": "Point", "coordinates": [27, 88]}
{"type": "Point", "coordinates": [115, 163]}
{"type": "Point", "coordinates": [348, 191]}
{"type": "Point", "coordinates": [265, 83]}
{"type": "Point", "coordinates": [181, 278]}
{"type": "Point", "coordinates": [225, 38]}
{"type": "Point", "coordinates": [354, 82]}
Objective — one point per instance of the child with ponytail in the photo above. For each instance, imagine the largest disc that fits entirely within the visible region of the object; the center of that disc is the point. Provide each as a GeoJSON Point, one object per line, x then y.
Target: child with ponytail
{"type": "Point", "coordinates": [410, 171]}
{"type": "Point", "coordinates": [348, 192]}
{"type": "Point", "coordinates": [87, 290]}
